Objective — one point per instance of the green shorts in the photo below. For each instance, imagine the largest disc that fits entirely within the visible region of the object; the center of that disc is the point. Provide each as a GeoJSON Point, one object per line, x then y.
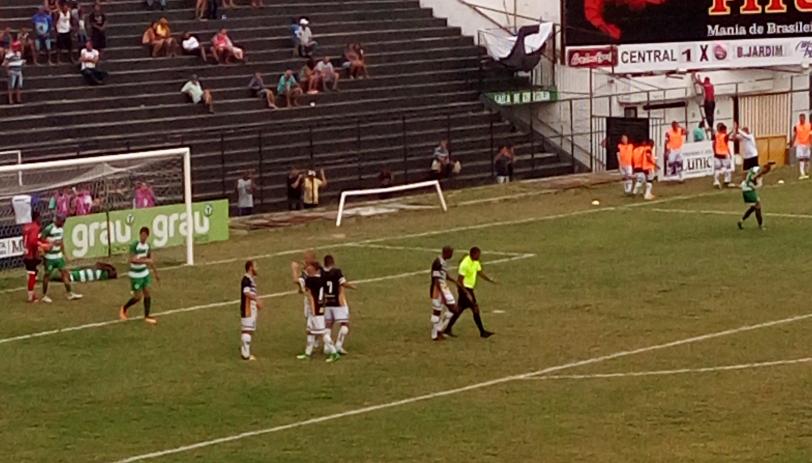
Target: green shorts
{"type": "Point", "coordinates": [140, 284]}
{"type": "Point", "coordinates": [750, 197]}
{"type": "Point", "coordinates": [54, 264]}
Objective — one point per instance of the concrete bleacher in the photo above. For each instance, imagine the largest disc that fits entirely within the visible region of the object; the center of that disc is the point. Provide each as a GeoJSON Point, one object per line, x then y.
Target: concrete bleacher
{"type": "Point", "coordinates": [426, 83]}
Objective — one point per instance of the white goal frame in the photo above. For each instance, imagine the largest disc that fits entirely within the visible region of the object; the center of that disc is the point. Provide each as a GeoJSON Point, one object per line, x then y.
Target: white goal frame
{"type": "Point", "coordinates": [392, 189]}
{"type": "Point", "coordinates": [185, 153]}
{"type": "Point", "coordinates": [19, 155]}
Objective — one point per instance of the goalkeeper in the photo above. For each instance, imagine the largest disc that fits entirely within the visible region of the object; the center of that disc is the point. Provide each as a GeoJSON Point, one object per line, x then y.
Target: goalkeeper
{"type": "Point", "coordinates": [99, 272]}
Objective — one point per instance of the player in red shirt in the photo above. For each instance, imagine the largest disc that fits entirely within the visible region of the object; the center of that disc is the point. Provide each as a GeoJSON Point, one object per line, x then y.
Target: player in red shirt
{"type": "Point", "coordinates": [31, 258]}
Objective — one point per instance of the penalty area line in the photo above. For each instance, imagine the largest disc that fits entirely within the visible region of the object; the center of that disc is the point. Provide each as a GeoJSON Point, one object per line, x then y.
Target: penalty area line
{"type": "Point", "coordinates": [727, 213]}
{"type": "Point", "coordinates": [450, 392]}
{"type": "Point", "coordinates": [679, 371]}
{"type": "Point", "coordinates": [213, 305]}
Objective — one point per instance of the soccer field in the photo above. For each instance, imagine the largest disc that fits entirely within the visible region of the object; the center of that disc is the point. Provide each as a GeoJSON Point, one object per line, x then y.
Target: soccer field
{"type": "Point", "coordinates": [627, 332]}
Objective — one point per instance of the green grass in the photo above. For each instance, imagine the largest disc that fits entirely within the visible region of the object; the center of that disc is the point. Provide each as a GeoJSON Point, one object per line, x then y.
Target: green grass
{"type": "Point", "coordinates": [609, 279]}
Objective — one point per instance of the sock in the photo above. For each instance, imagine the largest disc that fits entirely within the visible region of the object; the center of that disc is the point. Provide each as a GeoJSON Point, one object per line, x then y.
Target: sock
{"type": "Point", "coordinates": [44, 287]}
{"type": "Point", "coordinates": [130, 303]}
{"type": "Point", "coordinates": [628, 186]}
{"type": "Point", "coordinates": [748, 213]}
{"type": "Point", "coordinates": [715, 177]}
{"type": "Point", "coordinates": [245, 348]}
{"type": "Point", "coordinates": [759, 219]}
{"type": "Point", "coordinates": [478, 321]}
{"type": "Point", "coordinates": [649, 186]}
{"type": "Point", "coordinates": [451, 322]}
{"type": "Point", "coordinates": [802, 166]}
{"type": "Point", "coordinates": [147, 306]}
{"type": "Point", "coordinates": [68, 288]}
{"type": "Point", "coordinates": [436, 325]}
{"type": "Point", "coordinates": [32, 281]}
{"type": "Point", "coordinates": [728, 175]}
{"type": "Point", "coordinates": [329, 347]}
{"type": "Point", "coordinates": [342, 335]}
{"type": "Point", "coordinates": [311, 342]}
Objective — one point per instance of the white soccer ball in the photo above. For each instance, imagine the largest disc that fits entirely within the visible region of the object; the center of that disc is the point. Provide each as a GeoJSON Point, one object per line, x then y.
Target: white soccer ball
{"type": "Point", "coordinates": [780, 182]}
{"type": "Point", "coordinates": [312, 104]}
{"type": "Point", "coordinates": [596, 203]}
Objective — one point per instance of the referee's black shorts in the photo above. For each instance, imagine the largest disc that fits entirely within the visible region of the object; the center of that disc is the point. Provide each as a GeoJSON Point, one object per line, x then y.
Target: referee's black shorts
{"type": "Point", "coordinates": [464, 300]}
{"type": "Point", "coordinates": [750, 163]}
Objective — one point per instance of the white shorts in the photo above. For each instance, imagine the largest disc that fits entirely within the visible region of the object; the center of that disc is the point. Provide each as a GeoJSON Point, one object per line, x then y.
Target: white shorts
{"type": "Point", "coordinates": [316, 324]}
{"type": "Point", "coordinates": [307, 310]}
{"type": "Point", "coordinates": [447, 297]}
{"type": "Point", "coordinates": [627, 172]}
{"type": "Point", "coordinates": [249, 323]}
{"type": "Point", "coordinates": [802, 152]}
{"type": "Point", "coordinates": [675, 157]}
{"type": "Point", "coordinates": [721, 163]}
{"type": "Point", "coordinates": [337, 314]}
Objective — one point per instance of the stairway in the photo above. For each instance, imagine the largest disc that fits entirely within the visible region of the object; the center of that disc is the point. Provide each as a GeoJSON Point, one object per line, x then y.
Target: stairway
{"type": "Point", "coordinates": [426, 81]}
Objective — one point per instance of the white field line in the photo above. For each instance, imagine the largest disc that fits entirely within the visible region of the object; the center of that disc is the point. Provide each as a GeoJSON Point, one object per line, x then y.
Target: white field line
{"type": "Point", "coordinates": [212, 305]}
{"type": "Point", "coordinates": [731, 213]}
{"type": "Point", "coordinates": [478, 226]}
{"type": "Point", "coordinates": [418, 249]}
{"type": "Point", "coordinates": [680, 371]}
{"type": "Point", "coordinates": [449, 392]}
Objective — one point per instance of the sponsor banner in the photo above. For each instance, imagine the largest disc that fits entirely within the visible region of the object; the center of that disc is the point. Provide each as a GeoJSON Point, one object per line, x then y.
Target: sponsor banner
{"type": "Point", "coordinates": [697, 161]}
{"type": "Point", "coordinates": [590, 57]}
{"type": "Point", "coordinates": [11, 247]}
{"type": "Point", "coordinates": [520, 97]}
{"type": "Point", "coordinates": [98, 235]}
{"type": "Point", "coordinates": [623, 22]}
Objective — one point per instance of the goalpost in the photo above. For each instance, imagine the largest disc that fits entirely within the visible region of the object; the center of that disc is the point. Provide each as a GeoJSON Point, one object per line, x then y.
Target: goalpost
{"type": "Point", "coordinates": [393, 189]}
{"type": "Point", "coordinates": [105, 184]}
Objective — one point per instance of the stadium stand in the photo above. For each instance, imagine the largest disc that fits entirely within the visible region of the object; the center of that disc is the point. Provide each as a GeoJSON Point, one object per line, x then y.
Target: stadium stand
{"type": "Point", "coordinates": [426, 83]}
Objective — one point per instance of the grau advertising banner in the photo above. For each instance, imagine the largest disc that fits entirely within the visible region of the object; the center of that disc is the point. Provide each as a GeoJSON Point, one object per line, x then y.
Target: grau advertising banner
{"type": "Point", "coordinates": [667, 35]}
{"type": "Point", "coordinates": [99, 235]}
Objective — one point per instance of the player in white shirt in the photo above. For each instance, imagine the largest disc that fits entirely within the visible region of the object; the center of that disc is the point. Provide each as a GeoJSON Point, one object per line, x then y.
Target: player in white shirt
{"type": "Point", "coordinates": [250, 304]}
{"type": "Point", "coordinates": [440, 294]}
{"type": "Point", "coordinates": [337, 309]}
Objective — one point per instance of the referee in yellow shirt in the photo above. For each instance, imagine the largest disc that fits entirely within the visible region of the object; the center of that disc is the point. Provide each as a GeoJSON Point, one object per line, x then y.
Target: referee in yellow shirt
{"type": "Point", "coordinates": [470, 269]}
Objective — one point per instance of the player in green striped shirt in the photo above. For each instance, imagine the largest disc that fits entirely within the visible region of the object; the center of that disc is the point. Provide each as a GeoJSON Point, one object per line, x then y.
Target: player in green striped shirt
{"type": "Point", "coordinates": [54, 258]}
{"type": "Point", "coordinates": [750, 186]}
{"type": "Point", "coordinates": [141, 262]}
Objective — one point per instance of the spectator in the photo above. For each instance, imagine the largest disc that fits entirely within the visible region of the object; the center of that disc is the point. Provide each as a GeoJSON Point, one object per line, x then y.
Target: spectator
{"type": "Point", "coordinates": [83, 202]}
{"type": "Point", "coordinates": [699, 132]}
{"type": "Point", "coordinates": [13, 62]}
{"type": "Point", "coordinates": [43, 27]}
{"type": "Point", "coordinates": [385, 180]}
{"type": "Point", "coordinates": [311, 184]}
{"type": "Point", "coordinates": [163, 33]}
{"type": "Point", "coordinates": [52, 7]}
{"type": "Point", "coordinates": [151, 4]}
{"type": "Point", "coordinates": [307, 45]}
{"type": "Point", "coordinates": [64, 34]}
{"type": "Point", "coordinates": [441, 162]}
{"type": "Point", "coordinates": [149, 40]}
{"type": "Point", "coordinates": [190, 45]}
{"type": "Point", "coordinates": [27, 43]}
{"type": "Point", "coordinates": [288, 87]}
{"type": "Point", "coordinates": [98, 28]}
{"type": "Point", "coordinates": [211, 9]}
{"type": "Point", "coordinates": [357, 61]}
{"type": "Point", "coordinates": [328, 74]}
{"type": "Point", "coordinates": [78, 18]}
{"type": "Point", "coordinates": [194, 90]}
{"type": "Point", "coordinates": [294, 189]}
{"type": "Point", "coordinates": [143, 196]}
{"type": "Point", "coordinates": [709, 99]}
{"type": "Point", "coordinates": [223, 49]}
{"type": "Point", "coordinates": [245, 193]}
{"type": "Point", "coordinates": [259, 89]}
{"type": "Point", "coordinates": [89, 59]}
{"type": "Point", "coordinates": [295, 35]}
{"type": "Point", "coordinates": [308, 78]}
{"type": "Point", "coordinates": [200, 10]}
{"type": "Point", "coordinates": [5, 40]}
{"type": "Point", "coordinates": [503, 163]}
{"type": "Point", "coordinates": [61, 202]}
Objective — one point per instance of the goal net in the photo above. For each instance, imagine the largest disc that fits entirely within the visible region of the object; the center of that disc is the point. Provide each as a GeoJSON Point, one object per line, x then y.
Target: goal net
{"type": "Point", "coordinates": [104, 199]}
{"type": "Point", "coordinates": [377, 194]}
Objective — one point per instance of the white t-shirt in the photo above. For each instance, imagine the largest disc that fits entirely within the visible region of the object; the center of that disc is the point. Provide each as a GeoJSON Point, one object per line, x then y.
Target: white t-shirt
{"type": "Point", "coordinates": [89, 55]}
{"type": "Point", "coordinates": [748, 145]}
{"type": "Point", "coordinates": [63, 23]}
{"type": "Point", "coordinates": [245, 198]}
{"type": "Point", "coordinates": [306, 36]}
{"type": "Point", "coordinates": [325, 68]}
{"type": "Point", "coordinates": [190, 44]}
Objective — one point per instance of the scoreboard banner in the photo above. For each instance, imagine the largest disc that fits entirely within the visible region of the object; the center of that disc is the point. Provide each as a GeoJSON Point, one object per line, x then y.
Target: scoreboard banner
{"type": "Point", "coordinates": [667, 35]}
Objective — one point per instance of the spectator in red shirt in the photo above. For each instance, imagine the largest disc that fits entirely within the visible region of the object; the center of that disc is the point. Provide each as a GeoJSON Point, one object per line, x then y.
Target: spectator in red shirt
{"type": "Point", "coordinates": [709, 99]}
{"type": "Point", "coordinates": [31, 259]}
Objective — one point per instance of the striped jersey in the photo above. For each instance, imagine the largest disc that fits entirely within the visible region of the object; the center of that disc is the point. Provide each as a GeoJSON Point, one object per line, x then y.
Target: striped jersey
{"type": "Point", "coordinates": [141, 250]}
{"type": "Point", "coordinates": [53, 235]}
{"type": "Point", "coordinates": [248, 290]}
{"type": "Point", "coordinates": [750, 183]}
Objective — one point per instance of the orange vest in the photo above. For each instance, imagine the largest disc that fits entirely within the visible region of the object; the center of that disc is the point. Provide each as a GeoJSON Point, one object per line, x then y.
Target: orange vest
{"type": "Point", "coordinates": [675, 139]}
{"type": "Point", "coordinates": [802, 132]}
{"type": "Point", "coordinates": [625, 152]}
{"type": "Point", "coordinates": [720, 146]}
{"type": "Point", "coordinates": [637, 156]}
{"type": "Point", "coordinates": [649, 159]}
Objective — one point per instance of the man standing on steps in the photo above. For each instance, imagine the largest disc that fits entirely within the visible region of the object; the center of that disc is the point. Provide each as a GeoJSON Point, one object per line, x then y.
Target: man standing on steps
{"type": "Point", "coordinates": [708, 99]}
{"type": "Point", "coordinates": [469, 271]}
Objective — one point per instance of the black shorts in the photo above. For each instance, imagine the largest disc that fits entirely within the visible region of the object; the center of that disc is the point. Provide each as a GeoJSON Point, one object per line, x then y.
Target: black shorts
{"type": "Point", "coordinates": [64, 42]}
{"type": "Point", "coordinates": [464, 301]}
{"type": "Point", "coordinates": [31, 263]}
{"type": "Point", "coordinates": [750, 163]}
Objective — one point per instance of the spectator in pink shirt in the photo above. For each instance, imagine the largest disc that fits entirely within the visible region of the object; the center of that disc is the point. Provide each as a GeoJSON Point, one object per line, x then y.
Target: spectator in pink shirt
{"type": "Point", "coordinates": [84, 201]}
{"type": "Point", "coordinates": [61, 202]}
{"type": "Point", "coordinates": [144, 197]}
